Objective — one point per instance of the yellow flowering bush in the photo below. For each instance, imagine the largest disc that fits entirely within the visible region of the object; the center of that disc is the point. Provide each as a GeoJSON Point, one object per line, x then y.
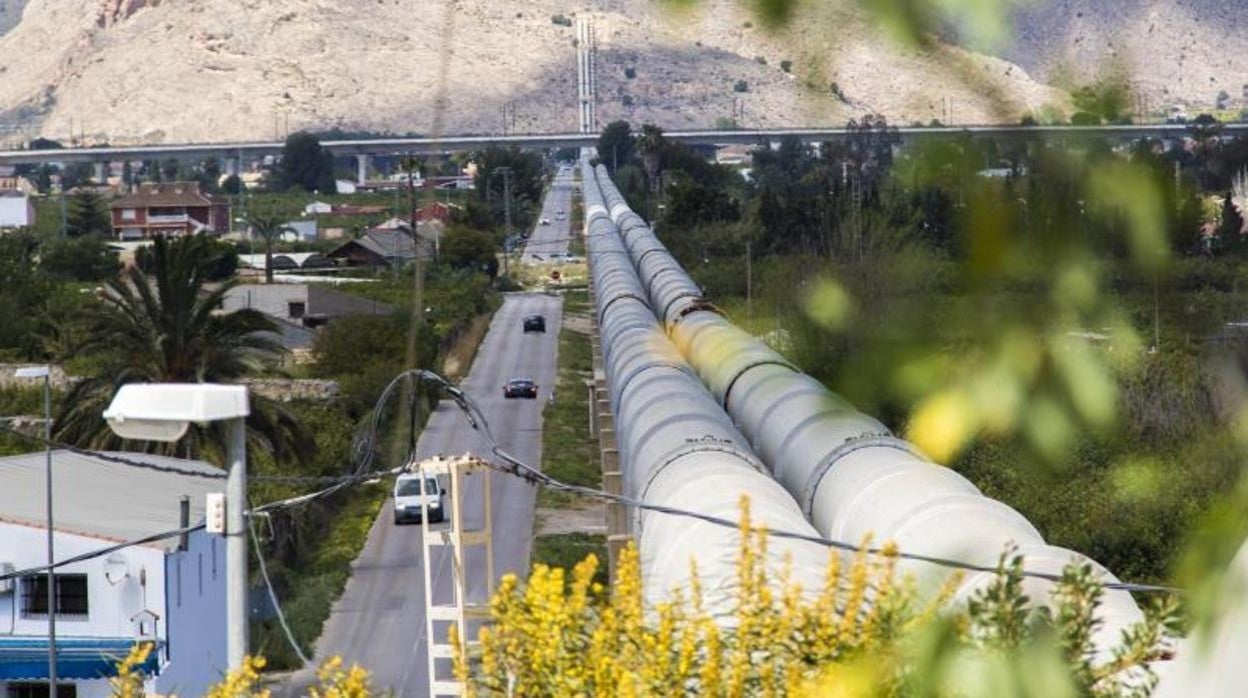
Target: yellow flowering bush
{"type": "Point", "coordinates": [128, 683]}
{"type": "Point", "coordinates": [865, 633]}
{"type": "Point", "coordinates": [247, 682]}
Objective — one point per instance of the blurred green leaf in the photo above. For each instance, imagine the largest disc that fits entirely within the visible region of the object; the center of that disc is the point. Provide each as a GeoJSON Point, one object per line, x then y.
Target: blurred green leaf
{"type": "Point", "coordinates": [1118, 189]}
{"type": "Point", "coordinates": [830, 304]}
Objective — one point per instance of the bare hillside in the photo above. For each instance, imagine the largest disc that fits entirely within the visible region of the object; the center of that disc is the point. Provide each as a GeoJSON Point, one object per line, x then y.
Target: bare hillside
{"type": "Point", "coordinates": [214, 70]}
{"type": "Point", "coordinates": [1172, 51]}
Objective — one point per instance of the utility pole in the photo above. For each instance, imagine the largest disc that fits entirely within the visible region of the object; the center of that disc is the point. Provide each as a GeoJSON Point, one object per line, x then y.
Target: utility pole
{"type": "Point", "coordinates": [506, 214]}
{"type": "Point", "coordinates": [410, 164]}
{"type": "Point", "coordinates": [749, 283]}
{"type": "Point", "coordinates": [505, 171]}
{"type": "Point", "coordinates": [45, 372]}
{"type": "Point", "coordinates": [455, 540]}
{"type": "Point", "coordinates": [64, 216]}
{"type": "Point", "coordinates": [236, 544]}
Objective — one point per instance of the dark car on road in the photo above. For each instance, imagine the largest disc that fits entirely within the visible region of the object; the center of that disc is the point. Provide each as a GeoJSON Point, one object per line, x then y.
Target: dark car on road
{"type": "Point", "coordinates": [534, 323]}
{"type": "Point", "coordinates": [520, 387]}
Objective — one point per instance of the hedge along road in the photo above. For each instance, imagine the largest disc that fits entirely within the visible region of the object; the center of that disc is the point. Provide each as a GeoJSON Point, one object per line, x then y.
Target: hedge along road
{"type": "Point", "coordinates": [379, 622]}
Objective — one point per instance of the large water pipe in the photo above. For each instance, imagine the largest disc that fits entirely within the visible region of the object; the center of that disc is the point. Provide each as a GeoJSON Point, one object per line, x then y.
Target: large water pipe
{"type": "Point", "coordinates": [848, 472]}
{"type": "Point", "coordinates": [677, 446]}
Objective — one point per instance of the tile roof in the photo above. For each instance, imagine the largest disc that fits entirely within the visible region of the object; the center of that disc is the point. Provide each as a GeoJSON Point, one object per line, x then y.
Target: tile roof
{"type": "Point", "coordinates": [165, 194]}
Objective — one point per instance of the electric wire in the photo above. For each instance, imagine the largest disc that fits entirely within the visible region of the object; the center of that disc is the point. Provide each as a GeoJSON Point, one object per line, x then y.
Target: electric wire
{"type": "Point", "coordinates": [44, 569]}
{"type": "Point", "coordinates": [108, 457]}
{"type": "Point", "coordinates": [516, 467]}
{"type": "Point", "coordinates": [281, 616]}
{"type": "Point", "coordinates": [538, 478]}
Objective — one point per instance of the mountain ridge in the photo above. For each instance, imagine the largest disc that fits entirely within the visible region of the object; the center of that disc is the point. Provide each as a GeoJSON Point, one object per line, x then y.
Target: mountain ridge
{"type": "Point", "coordinates": [153, 71]}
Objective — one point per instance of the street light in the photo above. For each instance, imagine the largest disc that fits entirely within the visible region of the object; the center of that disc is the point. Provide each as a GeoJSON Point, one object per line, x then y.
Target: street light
{"type": "Point", "coordinates": [163, 412]}
{"type": "Point", "coordinates": [45, 373]}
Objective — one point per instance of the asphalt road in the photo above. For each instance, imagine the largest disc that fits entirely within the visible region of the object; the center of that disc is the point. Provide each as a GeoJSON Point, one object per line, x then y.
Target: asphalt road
{"type": "Point", "coordinates": [379, 622]}
{"type": "Point", "coordinates": [550, 239]}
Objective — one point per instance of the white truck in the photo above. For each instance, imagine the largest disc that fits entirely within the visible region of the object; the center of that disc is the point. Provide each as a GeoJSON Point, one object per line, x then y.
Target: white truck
{"type": "Point", "coordinates": [408, 500]}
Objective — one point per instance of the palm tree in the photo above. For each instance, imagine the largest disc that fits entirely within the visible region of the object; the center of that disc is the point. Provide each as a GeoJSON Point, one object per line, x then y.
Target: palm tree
{"type": "Point", "coordinates": [270, 227]}
{"type": "Point", "coordinates": [165, 326]}
{"type": "Point", "coordinates": [650, 146]}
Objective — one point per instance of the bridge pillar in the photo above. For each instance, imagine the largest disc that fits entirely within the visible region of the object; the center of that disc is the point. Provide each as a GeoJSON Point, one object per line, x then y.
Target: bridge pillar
{"type": "Point", "coordinates": [363, 166]}
{"type": "Point", "coordinates": [101, 173]}
{"type": "Point", "coordinates": [229, 166]}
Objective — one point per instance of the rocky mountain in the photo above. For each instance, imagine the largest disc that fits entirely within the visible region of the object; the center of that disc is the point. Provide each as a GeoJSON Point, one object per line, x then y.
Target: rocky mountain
{"type": "Point", "coordinates": [216, 70]}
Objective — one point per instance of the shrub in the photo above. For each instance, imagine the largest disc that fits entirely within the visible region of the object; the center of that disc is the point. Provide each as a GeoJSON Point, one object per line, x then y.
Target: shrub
{"type": "Point", "coordinates": [741, 86]}
{"type": "Point", "coordinates": [468, 248]}
{"type": "Point", "coordinates": [761, 60]}
{"type": "Point", "coordinates": [555, 636]}
{"type": "Point", "coordinates": [87, 258]}
{"type": "Point", "coordinates": [630, 72]}
{"type": "Point", "coordinates": [786, 65]}
{"type": "Point", "coordinates": [561, 19]}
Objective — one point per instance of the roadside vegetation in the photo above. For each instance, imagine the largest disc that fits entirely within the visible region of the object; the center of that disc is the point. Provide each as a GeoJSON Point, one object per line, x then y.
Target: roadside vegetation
{"type": "Point", "coordinates": [569, 450]}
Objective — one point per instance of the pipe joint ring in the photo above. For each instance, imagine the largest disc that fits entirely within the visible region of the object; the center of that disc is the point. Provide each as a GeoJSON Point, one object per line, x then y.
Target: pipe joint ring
{"type": "Point", "coordinates": [627, 294]}
{"type": "Point", "coordinates": [746, 369]}
{"type": "Point", "coordinates": [703, 444]}
{"type": "Point", "coordinates": [884, 440]}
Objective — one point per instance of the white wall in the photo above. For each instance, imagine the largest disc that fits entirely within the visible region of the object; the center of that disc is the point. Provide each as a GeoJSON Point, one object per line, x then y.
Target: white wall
{"type": "Point", "coordinates": [15, 212]}
{"type": "Point", "coordinates": [139, 583]}
{"type": "Point", "coordinates": [110, 605]}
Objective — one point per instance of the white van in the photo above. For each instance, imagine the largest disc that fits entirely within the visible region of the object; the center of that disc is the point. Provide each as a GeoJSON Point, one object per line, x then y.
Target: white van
{"type": "Point", "coordinates": [407, 499]}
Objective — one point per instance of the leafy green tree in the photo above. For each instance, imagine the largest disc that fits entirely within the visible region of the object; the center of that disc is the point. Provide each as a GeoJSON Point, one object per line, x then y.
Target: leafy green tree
{"type": "Point", "coordinates": [365, 352]}
{"type": "Point", "coordinates": [526, 177]}
{"type": "Point", "coordinates": [166, 327]}
{"type": "Point", "coordinates": [651, 146]}
{"type": "Point", "coordinates": [268, 226]}
{"type": "Point", "coordinates": [75, 174]}
{"type": "Point", "coordinates": [209, 174]}
{"type": "Point", "coordinates": [467, 248]}
{"type": "Point", "coordinates": [306, 165]}
{"type": "Point", "coordinates": [1231, 226]}
{"type": "Point", "coordinates": [45, 144]}
{"type": "Point", "coordinates": [87, 258]}
{"type": "Point", "coordinates": [171, 169]}
{"type": "Point", "coordinates": [232, 185]}
{"type": "Point", "coordinates": [615, 145]}
{"type": "Point", "coordinates": [43, 178]}
{"type": "Point", "coordinates": [88, 216]}
{"type": "Point", "coordinates": [22, 286]}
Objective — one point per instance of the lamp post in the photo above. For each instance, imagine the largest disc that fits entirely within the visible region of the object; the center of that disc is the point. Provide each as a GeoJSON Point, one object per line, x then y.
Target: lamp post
{"type": "Point", "coordinates": [45, 372]}
{"type": "Point", "coordinates": [163, 412]}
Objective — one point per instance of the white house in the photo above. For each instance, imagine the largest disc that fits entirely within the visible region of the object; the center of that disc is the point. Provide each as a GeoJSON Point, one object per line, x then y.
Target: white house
{"type": "Point", "coordinates": [16, 210]}
{"type": "Point", "coordinates": [170, 592]}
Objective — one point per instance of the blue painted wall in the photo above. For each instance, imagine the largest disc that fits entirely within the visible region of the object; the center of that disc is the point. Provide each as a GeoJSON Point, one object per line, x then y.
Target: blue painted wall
{"type": "Point", "coordinates": [195, 601]}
